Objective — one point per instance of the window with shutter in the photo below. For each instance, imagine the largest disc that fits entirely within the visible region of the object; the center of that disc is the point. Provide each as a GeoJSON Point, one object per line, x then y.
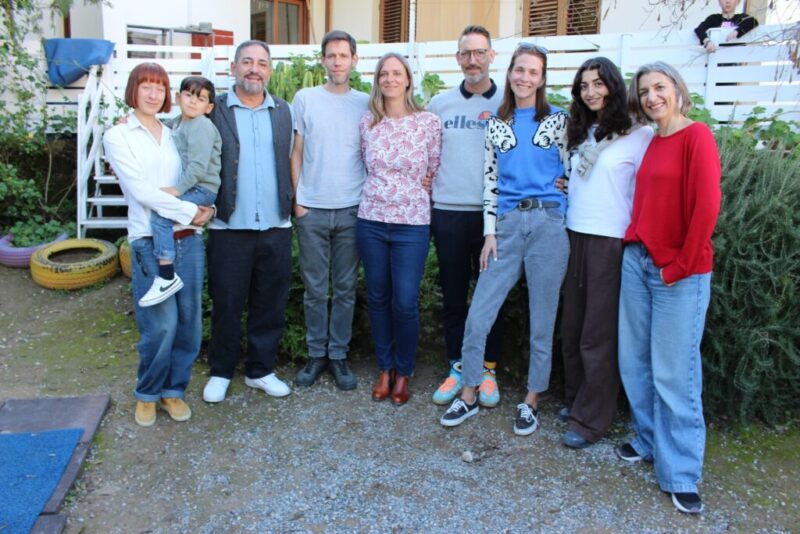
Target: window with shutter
{"type": "Point", "coordinates": [562, 17]}
{"type": "Point", "coordinates": [394, 21]}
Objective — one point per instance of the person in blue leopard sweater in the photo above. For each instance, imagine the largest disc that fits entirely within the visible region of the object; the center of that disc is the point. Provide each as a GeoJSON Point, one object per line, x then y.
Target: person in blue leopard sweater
{"type": "Point", "coordinates": [524, 229]}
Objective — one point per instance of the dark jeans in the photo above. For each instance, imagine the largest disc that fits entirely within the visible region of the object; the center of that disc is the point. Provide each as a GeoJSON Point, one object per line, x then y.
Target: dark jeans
{"type": "Point", "coordinates": [589, 333]}
{"type": "Point", "coordinates": [394, 260]}
{"type": "Point", "coordinates": [254, 268]}
{"type": "Point", "coordinates": [459, 239]}
{"type": "Point", "coordinates": [163, 243]}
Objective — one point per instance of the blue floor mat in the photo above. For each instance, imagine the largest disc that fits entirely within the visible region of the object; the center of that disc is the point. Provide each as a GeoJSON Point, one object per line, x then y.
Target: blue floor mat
{"type": "Point", "coordinates": [31, 465]}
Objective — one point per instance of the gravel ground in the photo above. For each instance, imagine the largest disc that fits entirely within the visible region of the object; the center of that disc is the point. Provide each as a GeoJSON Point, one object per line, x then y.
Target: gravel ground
{"type": "Point", "coordinates": [322, 460]}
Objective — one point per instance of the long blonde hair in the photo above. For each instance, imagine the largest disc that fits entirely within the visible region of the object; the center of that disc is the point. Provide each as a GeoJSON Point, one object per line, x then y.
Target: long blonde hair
{"type": "Point", "coordinates": [376, 104]}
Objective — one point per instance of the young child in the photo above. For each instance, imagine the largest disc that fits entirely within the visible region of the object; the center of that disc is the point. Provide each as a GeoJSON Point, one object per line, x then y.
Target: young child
{"type": "Point", "coordinates": [199, 145]}
{"type": "Point", "coordinates": [738, 23]}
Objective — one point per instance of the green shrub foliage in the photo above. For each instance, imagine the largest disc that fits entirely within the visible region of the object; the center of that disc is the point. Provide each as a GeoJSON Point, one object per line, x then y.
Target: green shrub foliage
{"type": "Point", "coordinates": [751, 350]}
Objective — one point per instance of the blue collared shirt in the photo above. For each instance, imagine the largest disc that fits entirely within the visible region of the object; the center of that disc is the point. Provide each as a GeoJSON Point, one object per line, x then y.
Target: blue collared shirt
{"type": "Point", "coordinates": [257, 204]}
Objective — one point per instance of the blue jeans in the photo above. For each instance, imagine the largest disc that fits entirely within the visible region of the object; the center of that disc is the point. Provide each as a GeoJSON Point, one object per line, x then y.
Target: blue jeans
{"type": "Point", "coordinates": [163, 244]}
{"type": "Point", "coordinates": [660, 329]}
{"type": "Point", "coordinates": [534, 242]}
{"type": "Point", "coordinates": [394, 260]}
{"type": "Point", "coordinates": [328, 258]}
{"type": "Point", "coordinates": [170, 332]}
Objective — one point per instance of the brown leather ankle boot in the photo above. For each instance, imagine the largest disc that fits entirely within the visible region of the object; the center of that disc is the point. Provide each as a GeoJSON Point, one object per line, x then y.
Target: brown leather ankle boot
{"type": "Point", "coordinates": [400, 392]}
{"type": "Point", "coordinates": [383, 386]}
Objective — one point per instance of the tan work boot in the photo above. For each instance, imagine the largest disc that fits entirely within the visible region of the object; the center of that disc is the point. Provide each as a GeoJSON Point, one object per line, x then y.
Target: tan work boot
{"type": "Point", "coordinates": [176, 408]}
{"type": "Point", "coordinates": [145, 414]}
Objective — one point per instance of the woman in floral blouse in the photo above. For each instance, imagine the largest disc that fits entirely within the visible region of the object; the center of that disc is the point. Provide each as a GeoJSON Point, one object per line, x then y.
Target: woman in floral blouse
{"type": "Point", "coordinates": [401, 144]}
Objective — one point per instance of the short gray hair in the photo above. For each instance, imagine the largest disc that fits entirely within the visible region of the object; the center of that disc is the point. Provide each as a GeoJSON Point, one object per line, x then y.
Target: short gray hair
{"type": "Point", "coordinates": [634, 103]}
{"type": "Point", "coordinates": [246, 44]}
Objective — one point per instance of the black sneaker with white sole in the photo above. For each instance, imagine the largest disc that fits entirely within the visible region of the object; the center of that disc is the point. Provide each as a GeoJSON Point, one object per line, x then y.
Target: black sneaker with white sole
{"type": "Point", "coordinates": [458, 412]}
{"type": "Point", "coordinates": [688, 503]}
{"type": "Point", "coordinates": [527, 420]}
{"type": "Point", "coordinates": [628, 453]}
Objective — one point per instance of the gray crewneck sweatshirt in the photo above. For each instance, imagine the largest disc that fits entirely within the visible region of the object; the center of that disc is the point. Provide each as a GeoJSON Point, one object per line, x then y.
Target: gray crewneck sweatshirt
{"type": "Point", "coordinates": [459, 183]}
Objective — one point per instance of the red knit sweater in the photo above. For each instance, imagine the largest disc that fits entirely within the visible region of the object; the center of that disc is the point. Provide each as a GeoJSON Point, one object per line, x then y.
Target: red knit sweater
{"type": "Point", "coordinates": [676, 202]}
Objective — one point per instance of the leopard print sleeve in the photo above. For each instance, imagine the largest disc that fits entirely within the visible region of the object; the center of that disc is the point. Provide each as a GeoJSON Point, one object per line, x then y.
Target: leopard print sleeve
{"type": "Point", "coordinates": [490, 191]}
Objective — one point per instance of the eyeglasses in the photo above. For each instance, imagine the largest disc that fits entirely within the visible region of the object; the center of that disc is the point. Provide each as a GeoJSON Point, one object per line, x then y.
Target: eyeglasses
{"type": "Point", "coordinates": [478, 53]}
{"type": "Point", "coordinates": [530, 46]}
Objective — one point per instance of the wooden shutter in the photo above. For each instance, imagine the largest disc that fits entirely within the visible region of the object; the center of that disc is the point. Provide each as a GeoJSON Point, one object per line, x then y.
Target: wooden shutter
{"type": "Point", "coordinates": [542, 17]}
{"type": "Point", "coordinates": [394, 21]}
{"type": "Point", "coordinates": [562, 17]}
{"type": "Point", "coordinates": [583, 17]}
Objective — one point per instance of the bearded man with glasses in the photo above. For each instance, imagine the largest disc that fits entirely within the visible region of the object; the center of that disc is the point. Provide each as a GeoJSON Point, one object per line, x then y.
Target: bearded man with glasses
{"type": "Point", "coordinates": [457, 216]}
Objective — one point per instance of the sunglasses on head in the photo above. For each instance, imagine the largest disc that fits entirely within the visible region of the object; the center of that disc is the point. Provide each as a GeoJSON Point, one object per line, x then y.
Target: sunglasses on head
{"type": "Point", "coordinates": [530, 46]}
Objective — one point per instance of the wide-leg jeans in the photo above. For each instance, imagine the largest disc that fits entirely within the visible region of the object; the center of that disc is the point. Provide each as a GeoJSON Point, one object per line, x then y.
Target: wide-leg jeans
{"type": "Point", "coordinates": [660, 329]}
{"type": "Point", "coordinates": [170, 332]}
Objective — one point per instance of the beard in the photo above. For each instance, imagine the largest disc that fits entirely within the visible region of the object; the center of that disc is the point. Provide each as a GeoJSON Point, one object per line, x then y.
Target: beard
{"type": "Point", "coordinates": [476, 78]}
{"type": "Point", "coordinates": [248, 87]}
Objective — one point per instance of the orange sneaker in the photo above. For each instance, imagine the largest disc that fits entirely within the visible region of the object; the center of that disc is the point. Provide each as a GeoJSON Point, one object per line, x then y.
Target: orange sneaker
{"type": "Point", "coordinates": [450, 387]}
{"type": "Point", "coordinates": [488, 394]}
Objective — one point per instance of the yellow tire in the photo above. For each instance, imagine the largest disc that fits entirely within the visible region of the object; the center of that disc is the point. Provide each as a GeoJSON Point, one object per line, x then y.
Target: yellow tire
{"type": "Point", "coordinates": [125, 258]}
{"type": "Point", "coordinates": [53, 274]}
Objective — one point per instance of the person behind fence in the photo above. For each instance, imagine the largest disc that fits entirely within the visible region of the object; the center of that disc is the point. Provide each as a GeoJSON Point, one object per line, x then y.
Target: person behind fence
{"type": "Point", "coordinates": [606, 150]}
{"type": "Point", "coordinates": [250, 239]}
{"type": "Point", "coordinates": [199, 146]}
{"type": "Point", "coordinates": [144, 157]}
{"type": "Point", "coordinates": [400, 143]}
{"type": "Point", "coordinates": [666, 285]}
{"type": "Point", "coordinates": [524, 227]}
{"type": "Point", "coordinates": [737, 24]}
{"type": "Point", "coordinates": [328, 174]}
{"type": "Point", "coordinates": [457, 217]}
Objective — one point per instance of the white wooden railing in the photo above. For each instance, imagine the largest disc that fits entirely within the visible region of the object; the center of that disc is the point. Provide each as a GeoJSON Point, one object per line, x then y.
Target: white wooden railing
{"type": "Point", "coordinates": [759, 71]}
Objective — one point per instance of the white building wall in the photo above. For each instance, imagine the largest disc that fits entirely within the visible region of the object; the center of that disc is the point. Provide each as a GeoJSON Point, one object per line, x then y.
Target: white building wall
{"type": "Point", "coordinates": [627, 16]}
{"type": "Point", "coordinates": [232, 15]}
{"type": "Point", "coordinates": [357, 19]}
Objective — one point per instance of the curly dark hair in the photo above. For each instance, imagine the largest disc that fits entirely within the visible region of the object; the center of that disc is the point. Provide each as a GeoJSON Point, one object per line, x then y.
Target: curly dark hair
{"type": "Point", "coordinates": [613, 119]}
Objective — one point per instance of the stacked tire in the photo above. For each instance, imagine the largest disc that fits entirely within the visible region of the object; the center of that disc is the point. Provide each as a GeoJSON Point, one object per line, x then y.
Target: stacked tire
{"type": "Point", "coordinates": [49, 272]}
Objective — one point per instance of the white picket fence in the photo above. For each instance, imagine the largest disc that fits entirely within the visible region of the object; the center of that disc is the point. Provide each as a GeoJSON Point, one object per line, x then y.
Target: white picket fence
{"type": "Point", "coordinates": [758, 71]}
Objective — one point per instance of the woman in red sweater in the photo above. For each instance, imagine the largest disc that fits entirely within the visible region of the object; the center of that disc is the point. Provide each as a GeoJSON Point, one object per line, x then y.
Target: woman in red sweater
{"type": "Point", "coordinates": [666, 283]}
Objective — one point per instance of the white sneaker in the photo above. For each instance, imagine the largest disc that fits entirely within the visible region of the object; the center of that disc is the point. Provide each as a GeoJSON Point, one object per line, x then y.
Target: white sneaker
{"type": "Point", "coordinates": [273, 385]}
{"type": "Point", "coordinates": [215, 389]}
{"type": "Point", "coordinates": [160, 291]}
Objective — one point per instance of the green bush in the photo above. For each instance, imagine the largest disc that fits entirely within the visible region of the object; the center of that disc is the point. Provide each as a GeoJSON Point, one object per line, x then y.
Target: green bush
{"type": "Point", "coordinates": [751, 350]}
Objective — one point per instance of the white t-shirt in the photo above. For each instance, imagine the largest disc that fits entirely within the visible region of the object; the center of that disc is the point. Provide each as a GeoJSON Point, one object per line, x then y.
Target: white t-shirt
{"type": "Point", "coordinates": [601, 203]}
{"type": "Point", "coordinates": [333, 171]}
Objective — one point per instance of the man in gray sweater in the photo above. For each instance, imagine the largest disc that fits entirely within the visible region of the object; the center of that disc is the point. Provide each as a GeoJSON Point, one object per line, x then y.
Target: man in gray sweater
{"type": "Point", "coordinates": [457, 218]}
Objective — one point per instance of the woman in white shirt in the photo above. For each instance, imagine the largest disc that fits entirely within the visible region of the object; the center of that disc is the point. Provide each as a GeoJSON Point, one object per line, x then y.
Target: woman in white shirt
{"type": "Point", "coordinates": [144, 158]}
{"type": "Point", "coordinates": [607, 150]}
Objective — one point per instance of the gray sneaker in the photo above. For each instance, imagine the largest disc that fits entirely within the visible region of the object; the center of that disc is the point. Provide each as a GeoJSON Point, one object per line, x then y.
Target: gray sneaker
{"type": "Point", "coordinates": [309, 374]}
{"type": "Point", "coordinates": [344, 378]}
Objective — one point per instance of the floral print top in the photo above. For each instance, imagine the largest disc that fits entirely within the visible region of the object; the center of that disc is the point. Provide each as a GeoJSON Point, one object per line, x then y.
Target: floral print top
{"type": "Point", "coordinates": [398, 153]}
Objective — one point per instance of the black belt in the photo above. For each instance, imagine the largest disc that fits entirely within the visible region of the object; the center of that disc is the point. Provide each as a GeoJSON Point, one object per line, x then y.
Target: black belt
{"type": "Point", "coordinates": [535, 203]}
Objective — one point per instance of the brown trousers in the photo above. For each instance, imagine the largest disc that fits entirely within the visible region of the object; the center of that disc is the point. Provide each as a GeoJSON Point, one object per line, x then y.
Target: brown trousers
{"type": "Point", "coordinates": [589, 322]}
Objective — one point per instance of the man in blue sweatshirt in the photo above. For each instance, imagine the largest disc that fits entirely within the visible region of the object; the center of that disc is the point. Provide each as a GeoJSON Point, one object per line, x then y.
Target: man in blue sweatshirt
{"type": "Point", "coordinates": [457, 218]}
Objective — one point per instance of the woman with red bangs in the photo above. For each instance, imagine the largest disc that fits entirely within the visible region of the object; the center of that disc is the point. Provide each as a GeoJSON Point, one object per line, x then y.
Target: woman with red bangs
{"type": "Point", "coordinates": [144, 157]}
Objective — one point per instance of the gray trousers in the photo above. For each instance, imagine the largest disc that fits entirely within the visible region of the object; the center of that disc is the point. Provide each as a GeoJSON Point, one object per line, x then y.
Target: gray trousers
{"type": "Point", "coordinates": [534, 242]}
{"type": "Point", "coordinates": [328, 262]}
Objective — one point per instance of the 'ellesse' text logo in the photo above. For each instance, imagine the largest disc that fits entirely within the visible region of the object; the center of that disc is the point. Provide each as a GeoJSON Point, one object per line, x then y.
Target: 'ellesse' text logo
{"type": "Point", "coordinates": [461, 121]}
